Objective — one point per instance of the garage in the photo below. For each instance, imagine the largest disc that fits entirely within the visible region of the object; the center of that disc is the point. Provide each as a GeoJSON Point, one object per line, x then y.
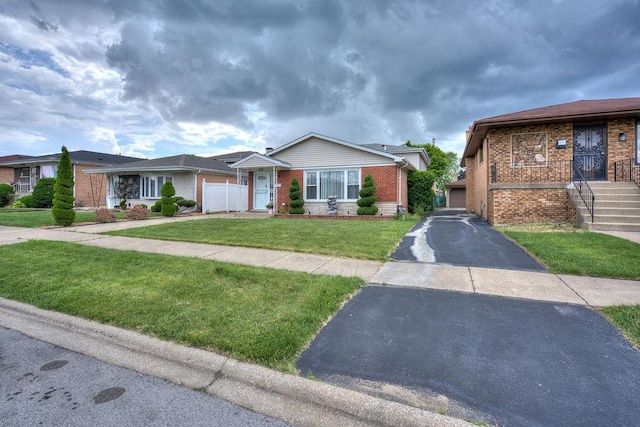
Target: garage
{"type": "Point", "coordinates": [457, 194]}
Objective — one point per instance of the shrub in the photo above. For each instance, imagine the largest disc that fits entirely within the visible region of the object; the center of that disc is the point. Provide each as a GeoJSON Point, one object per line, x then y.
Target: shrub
{"type": "Point", "coordinates": [186, 203]}
{"type": "Point", "coordinates": [168, 206]}
{"type": "Point", "coordinates": [105, 215]}
{"type": "Point", "coordinates": [63, 198]}
{"type": "Point", "coordinates": [143, 205]}
{"type": "Point", "coordinates": [24, 202]}
{"type": "Point", "coordinates": [420, 191]}
{"type": "Point", "coordinates": [137, 212]}
{"type": "Point", "coordinates": [123, 203]}
{"type": "Point", "coordinates": [157, 207]}
{"type": "Point", "coordinates": [6, 194]}
{"type": "Point", "coordinates": [295, 196]}
{"type": "Point", "coordinates": [43, 193]}
{"type": "Point", "coordinates": [367, 197]}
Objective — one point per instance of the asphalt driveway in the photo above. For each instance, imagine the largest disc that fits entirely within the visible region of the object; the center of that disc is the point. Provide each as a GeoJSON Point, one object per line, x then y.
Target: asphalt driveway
{"type": "Point", "coordinates": [498, 360]}
{"type": "Point", "coordinates": [455, 238]}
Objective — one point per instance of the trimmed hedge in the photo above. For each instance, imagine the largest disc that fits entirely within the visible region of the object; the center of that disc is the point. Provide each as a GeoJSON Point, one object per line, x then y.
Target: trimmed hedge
{"type": "Point", "coordinates": [367, 197]}
{"type": "Point", "coordinates": [168, 205]}
{"type": "Point", "coordinates": [296, 202]}
{"type": "Point", "coordinates": [63, 199]}
{"type": "Point", "coordinates": [6, 194]}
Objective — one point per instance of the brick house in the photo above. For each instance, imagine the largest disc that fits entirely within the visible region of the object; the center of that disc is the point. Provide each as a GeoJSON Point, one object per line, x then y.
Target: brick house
{"type": "Point", "coordinates": [327, 166]}
{"type": "Point", "coordinates": [550, 164]}
{"type": "Point", "coordinates": [141, 181]}
{"type": "Point", "coordinates": [89, 190]}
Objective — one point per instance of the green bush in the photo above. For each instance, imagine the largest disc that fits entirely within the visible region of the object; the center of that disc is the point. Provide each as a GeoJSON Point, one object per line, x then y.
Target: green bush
{"type": "Point", "coordinates": [295, 196]}
{"type": "Point", "coordinates": [367, 197]}
{"type": "Point", "coordinates": [24, 202]}
{"type": "Point", "coordinates": [123, 203]}
{"type": "Point", "coordinates": [63, 198]}
{"type": "Point", "coordinates": [157, 207]}
{"type": "Point", "coordinates": [142, 205]}
{"type": "Point", "coordinates": [168, 205]}
{"type": "Point", "coordinates": [6, 194]}
{"type": "Point", "coordinates": [43, 193]}
{"type": "Point", "coordinates": [420, 191]}
{"type": "Point", "coordinates": [186, 203]}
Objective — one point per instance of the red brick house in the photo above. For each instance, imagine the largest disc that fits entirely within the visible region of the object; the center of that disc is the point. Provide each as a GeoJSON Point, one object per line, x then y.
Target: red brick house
{"type": "Point", "coordinates": [89, 190]}
{"type": "Point", "coordinates": [326, 166]}
{"type": "Point", "coordinates": [562, 163]}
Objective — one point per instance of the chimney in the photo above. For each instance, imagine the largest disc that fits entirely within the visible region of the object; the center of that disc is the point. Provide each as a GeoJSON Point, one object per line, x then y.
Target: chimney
{"type": "Point", "coordinates": [268, 150]}
{"type": "Point", "coordinates": [384, 148]}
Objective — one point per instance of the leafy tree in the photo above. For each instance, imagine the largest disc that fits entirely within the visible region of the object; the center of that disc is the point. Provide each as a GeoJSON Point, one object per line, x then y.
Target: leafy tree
{"type": "Point", "coordinates": [63, 199]}
{"type": "Point", "coordinates": [296, 202]}
{"type": "Point", "coordinates": [444, 165]}
{"type": "Point", "coordinates": [6, 194]}
{"type": "Point", "coordinates": [367, 197]}
{"type": "Point", "coordinates": [168, 202]}
{"type": "Point", "coordinates": [43, 193]}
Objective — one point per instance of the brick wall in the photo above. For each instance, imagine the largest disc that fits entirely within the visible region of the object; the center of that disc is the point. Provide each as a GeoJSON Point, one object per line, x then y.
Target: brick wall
{"type": "Point", "coordinates": [529, 205]}
{"type": "Point", "coordinates": [90, 189]}
{"type": "Point", "coordinates": [386, 181]}
{"type": "Point", "coordinates": [6, 175]}
{"type": "Point", "coordinates": [618, 150]}
{"type": "Point", "coordinates": [283, 192]}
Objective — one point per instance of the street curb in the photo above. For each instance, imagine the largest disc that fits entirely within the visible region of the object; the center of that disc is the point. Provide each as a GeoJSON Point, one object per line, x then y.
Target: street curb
{"type": "Point", "coordinates": [290, 398]}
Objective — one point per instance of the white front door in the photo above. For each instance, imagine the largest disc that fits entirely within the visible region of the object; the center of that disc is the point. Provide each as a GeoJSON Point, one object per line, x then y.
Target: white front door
{"type": "Point", "coordinates": [261, 190]}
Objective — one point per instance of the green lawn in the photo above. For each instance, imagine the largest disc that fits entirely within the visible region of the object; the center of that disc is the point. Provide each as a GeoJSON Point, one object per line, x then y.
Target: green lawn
{"type": "Point", "coordinates": [627, 319]}
{"type": "Point", "coordinates": [259, 315]}
{"type": "Point", "coordinates": [582, 253]}
{"type": "Point", "coordinates": [40, 217]}
{"type": "Point", "coordinates": [348, 238]}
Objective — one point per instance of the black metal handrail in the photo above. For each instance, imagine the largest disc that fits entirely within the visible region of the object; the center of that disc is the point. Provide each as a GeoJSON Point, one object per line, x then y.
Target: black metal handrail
{"type": "Point", "coordinates": [627, 170]}
{"type": "Point", "coordinates": [585, 191]}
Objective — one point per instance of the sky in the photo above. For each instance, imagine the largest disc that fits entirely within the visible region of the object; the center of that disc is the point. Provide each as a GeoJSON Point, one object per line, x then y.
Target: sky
{"type": "Point", "coordinates": [152, 78]}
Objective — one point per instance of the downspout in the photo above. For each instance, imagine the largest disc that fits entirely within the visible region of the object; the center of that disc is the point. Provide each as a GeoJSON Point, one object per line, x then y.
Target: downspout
{"type": "Point", "coordinates": [275, 189]}
{"type": "Point", "coordinates": [195, 185]}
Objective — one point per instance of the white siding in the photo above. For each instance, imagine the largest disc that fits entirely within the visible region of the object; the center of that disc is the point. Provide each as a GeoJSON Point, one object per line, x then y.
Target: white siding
{"type": "Point", "coordinates": [416, 160]}
{"type": "Point", "coordinates": [257, 162]}
{"type": "Point", "coordinates": [317, 153]}
{"type": "Point", "coordinates": [183, 183]}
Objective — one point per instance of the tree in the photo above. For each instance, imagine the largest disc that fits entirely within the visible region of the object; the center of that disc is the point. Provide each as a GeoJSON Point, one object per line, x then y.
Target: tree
{"type": "Point", "coordinates": [43, 193]}
{"type": "Point", "coordinates": [168, 202]}
{"type": "Point", "coordinates": [444, 165]}
{"type": "Point", "coordinates": [367, 197]}
{"type": "Point", "coordinates": [420, 190]}
{"type": "Point", "coordinates": [63, 199]}
{"type": "Point", "coordinates": [296, 202]}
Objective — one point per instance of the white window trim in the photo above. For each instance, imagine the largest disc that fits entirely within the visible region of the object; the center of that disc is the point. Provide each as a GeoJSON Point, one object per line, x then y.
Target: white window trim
{"type": "Point", "coordinates": [159, 187]}
{"type": "Point", "coordinates": [345, 189]}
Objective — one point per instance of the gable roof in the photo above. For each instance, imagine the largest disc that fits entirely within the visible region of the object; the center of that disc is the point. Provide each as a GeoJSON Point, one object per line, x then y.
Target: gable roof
{"type": "Point", "coordinates": [230, 158]}
{"type": "Point", "coordinates": [182, 162]}
{"type": "Point", "coordinates": [599, 109]}
{"type": "Point", "coordinates": [260, 160]}
{"type": "Point", "coordinates": [401, 149]}
{"type": "Point", "coordinates": [81, 156]}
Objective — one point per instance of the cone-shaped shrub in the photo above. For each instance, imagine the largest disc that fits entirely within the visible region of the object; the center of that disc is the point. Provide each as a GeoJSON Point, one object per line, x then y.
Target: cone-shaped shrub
{"type": "Point", "coordinates": [296, 202]}
{"type": "Point", "coordinates": [63, 199]}
{"type": "Point", "coordinates": [367, 197]}
{"type": "Point", "coordinates": [168, 202]}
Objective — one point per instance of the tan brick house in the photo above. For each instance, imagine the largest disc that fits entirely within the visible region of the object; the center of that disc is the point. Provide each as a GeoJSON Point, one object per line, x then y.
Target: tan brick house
{"type": "Point", "coordinates": [527, 166]}
{"type": "Point", "coordinates": [326, 166]}
{"type": "Point", "coordinates": [89, 190]}
{"type": "Point", "coordinates": [141, 181]}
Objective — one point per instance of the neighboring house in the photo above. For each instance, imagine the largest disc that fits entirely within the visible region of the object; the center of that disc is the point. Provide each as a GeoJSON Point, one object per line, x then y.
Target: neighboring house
{"type": "Point", "coordinates": [141, 181]}
{"type": "Point", "coordinates": [456, 194]}
{"type": "Point", "coordinates": [523, 167]}
{"type": "Point", "coordinates": [24, 171]}
{"type": "Point", "coordinates": [326, 167]}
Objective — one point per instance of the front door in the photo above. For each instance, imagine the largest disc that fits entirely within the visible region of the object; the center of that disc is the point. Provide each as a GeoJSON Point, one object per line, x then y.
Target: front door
{"type": "Point", "coordinates": [590, 151]}
{"type": "Point", "coordinates": [261, 190]}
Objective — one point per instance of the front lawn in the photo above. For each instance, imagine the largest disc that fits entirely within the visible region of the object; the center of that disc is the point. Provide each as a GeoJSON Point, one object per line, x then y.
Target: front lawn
{"type": "Point", "coordinates": [579, 252]}
{"type": "Point", "coordinates": [347, 238]}
{"type": "Point", "coordinates": [40, 217]}
{"type": "Point", "coordinates": [627, 319]}
{"type": "Point", "coordinates": [259, 315]}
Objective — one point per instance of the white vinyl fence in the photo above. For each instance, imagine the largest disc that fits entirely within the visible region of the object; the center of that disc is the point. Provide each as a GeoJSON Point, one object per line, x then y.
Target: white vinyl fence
{"type": "Point", "coordinates": [224, 197]}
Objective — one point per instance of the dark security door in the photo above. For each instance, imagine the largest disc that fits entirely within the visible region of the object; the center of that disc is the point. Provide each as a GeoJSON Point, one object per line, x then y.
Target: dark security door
{"type": "Point", "coordinates": [590, 151]}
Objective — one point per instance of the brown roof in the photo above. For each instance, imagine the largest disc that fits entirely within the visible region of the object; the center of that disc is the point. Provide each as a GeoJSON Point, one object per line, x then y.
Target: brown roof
{"type": "Point", "coordinates": [461, 183]}
{"type": "Point", "coordinates": [586, 110]}
{"type": "Point", "coordinates": [14, 157]}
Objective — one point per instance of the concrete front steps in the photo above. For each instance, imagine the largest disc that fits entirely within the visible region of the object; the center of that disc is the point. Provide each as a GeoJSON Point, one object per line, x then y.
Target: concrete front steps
{"type": "Point", "coordinates": [617, 206]}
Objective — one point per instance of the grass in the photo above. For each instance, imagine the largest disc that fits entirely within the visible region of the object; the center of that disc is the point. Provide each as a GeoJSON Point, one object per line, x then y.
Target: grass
{"type": "Point", "coordinates": [32, 218]}
{"type": "Point", "coordinates": [347, 238]}
{"type": "Point", "coordinates": [627, 319]}
{"type": "Point", "coordinates": [259, 315]}
{"type": "Point", "coordinates": [568, 250]}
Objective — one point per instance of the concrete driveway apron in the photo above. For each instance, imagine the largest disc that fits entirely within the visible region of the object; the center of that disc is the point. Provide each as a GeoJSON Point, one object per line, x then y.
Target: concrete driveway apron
{"type": "Point", "coordinates": [455, 238]}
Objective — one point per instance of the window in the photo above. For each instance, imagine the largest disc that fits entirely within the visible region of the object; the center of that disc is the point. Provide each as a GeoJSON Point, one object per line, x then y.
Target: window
{"type": "Point", "coordinates": [151, 185]}
{"type": "Point", "coordinates": [344, 184]}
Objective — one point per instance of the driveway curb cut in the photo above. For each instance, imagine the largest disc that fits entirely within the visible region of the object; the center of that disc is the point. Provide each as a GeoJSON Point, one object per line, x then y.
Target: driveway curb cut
{"type": "Point", "coordinates": [286, 397]}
